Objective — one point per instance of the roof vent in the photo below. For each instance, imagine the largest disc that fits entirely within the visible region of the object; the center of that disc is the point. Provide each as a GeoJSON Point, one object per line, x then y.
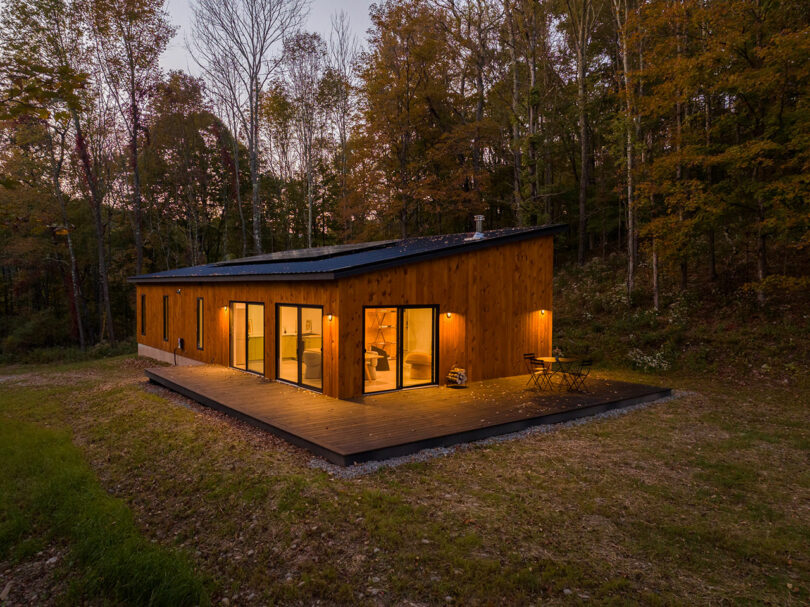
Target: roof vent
{"type": "Point", "coordinates": [479, 228]}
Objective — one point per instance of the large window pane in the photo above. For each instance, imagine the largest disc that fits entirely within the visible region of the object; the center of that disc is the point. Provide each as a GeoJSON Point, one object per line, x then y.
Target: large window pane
{"type": "Point", "coordinates": [312, 347]}
{"type": "Point", "coordinates": [255, 334]}
{"type": "Point", "coordinates": [238, 337]}
{"type": "Point", "coordinates": [417, 346]}
{"type": "Point", "coordinates": [380, 356]}
{"type": "Point", "coordinates": [165, 318]}
{"type": "Point", "coordinates": [288, 343]}
{"type": "Point", "coordinates": [200, 323]}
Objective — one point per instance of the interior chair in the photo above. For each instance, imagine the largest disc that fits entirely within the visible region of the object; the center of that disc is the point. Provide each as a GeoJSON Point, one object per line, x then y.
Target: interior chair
{"type": "Point", "coordinates": [382, 361]}
{"type": "Point", "coordinates": [421, 365]}
{"type": "Point", "coordinates": [312, 364]}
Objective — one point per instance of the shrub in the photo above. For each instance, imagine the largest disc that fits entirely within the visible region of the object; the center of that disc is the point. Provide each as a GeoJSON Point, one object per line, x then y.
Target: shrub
{"type": "Point", "coordinates": [40, 329]}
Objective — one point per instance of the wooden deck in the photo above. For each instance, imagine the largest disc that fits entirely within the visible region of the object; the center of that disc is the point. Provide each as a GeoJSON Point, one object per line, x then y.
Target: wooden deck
{"type": "Point", "coordinates": [397, 423]}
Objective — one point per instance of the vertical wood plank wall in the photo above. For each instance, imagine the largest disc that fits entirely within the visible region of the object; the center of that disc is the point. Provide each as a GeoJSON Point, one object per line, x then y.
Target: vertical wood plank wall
{"type": "Point", "coordinates": [494, 296]}
{"type": "Point", "coordinates": [216, 299]}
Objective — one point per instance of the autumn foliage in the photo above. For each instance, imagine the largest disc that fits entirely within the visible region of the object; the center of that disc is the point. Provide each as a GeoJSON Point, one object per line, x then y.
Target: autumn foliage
{"type": "Point", "coordinates": [675, 133]}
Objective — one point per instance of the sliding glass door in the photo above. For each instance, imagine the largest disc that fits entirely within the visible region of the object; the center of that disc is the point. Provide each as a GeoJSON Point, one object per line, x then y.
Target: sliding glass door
{"type": "Point", "coordinates": [300, 345]}
{"type": "Point", "coordinates": [400, 347]}
{"type": "Point", "coordinates": [247, 336]}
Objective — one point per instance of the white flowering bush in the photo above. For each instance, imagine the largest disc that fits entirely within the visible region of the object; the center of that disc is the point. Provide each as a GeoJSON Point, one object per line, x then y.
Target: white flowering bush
{"type": "Point", "coordinates": [656, 361]}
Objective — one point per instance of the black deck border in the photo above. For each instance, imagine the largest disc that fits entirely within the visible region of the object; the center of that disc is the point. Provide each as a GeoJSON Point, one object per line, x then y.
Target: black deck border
{"type": "Point", "coordinates": [328, 454]}
{"type": "Point", "coordinates": [408, 448]}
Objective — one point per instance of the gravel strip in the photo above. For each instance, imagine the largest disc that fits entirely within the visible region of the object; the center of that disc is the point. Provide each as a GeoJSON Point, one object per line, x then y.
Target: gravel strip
{"type": "Point", "coordinates": [349, 472]}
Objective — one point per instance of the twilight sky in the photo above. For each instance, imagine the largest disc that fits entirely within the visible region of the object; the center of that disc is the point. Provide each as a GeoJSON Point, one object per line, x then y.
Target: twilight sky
{"type": "Point", "coordinates": [320, 12]}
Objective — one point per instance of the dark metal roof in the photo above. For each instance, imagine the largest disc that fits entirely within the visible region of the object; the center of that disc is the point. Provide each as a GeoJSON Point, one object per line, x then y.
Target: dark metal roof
{"type": "Point", "coordinates": [329, 263]}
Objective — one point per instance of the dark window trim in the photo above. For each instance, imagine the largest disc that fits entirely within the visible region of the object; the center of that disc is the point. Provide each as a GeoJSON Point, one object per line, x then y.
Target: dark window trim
{"type": "Point", "coordinates": [230, 335]}
{"type": "Point", "coordinates": [400, 362]}
{"type": "Point", "coordinates": [300, 383]}
{"type": "Point", "coordinates": [200, 323]}
{"type": "Point", "coordinates": [165, 318]}
{"type": "Point", "coordinates": [143, 314]}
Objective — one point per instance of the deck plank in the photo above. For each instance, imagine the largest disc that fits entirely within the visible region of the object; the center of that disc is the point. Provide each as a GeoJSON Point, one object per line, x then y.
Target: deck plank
{"type": "Point", "coordinates": [396, 423]}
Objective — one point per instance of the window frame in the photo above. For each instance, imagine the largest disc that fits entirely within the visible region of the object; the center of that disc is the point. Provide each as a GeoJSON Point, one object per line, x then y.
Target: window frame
{"type": "Point", "coordinates": [165, 318]}
{"type": "Point", "coordinates": [300, 371]}
{"type": "Point", "coordinates": [143, 313]}
{"type": "Point", "coordinates": [200, 323]}
{"type": "Point", "coordinates": [400, 363]}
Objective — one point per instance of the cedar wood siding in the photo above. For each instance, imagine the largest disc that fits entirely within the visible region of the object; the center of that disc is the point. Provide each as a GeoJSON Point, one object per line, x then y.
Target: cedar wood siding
{"type": "Point", "coordinates": [183, 318]}
{"type": "Point", "coordinates": [494, 296]}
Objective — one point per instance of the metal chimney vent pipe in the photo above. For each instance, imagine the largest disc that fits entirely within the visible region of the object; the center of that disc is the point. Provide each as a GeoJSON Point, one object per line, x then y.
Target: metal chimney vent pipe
{"type": "Point", "coordinates": [479, 228]}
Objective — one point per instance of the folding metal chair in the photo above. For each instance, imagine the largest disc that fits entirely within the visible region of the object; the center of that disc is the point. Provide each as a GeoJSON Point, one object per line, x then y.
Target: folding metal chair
{"type": "Point", "coordinates": [542, 374]}
{"type": "Point", "coordinates": [538, 372]}
{"type": "Point", "coordinates": [579, 375]}
{"type": "Point", "coordinates": [564, 371]}
{"type": "Point", "coordinates": [527, 360]}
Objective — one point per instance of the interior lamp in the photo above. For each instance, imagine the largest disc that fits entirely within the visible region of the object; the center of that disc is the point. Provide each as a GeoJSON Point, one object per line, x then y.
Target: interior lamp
{"type": "Point", "coordinates": [449, 315]}
{"type": "Point", "coordinates": [329, 317]}
{"type": "Point", "coordinates": [542, 312]}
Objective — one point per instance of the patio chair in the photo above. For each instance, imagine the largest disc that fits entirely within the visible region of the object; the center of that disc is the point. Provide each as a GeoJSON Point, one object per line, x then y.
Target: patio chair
{"type": "Point", "coordinates": [539, 373]}
{"type": "Point", "coordinates": [565, 370]}
{"type": "Point", "coordinates": [527, 360]}
{"type": "Point", "coordinates": [578, 375]}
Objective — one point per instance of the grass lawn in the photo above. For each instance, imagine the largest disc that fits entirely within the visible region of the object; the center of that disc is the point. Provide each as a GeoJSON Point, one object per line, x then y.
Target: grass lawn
{"type": "Point", "coordinates": [703, 499]}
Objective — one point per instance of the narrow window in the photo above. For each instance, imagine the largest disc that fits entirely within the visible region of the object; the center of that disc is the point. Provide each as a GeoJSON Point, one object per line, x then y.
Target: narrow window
{"type": "Point", "coordinates": [199, 323]}
{"type": "Point", "coordinates": [165, 318]}
{"type": "Point", "coordinates": [143, 314]}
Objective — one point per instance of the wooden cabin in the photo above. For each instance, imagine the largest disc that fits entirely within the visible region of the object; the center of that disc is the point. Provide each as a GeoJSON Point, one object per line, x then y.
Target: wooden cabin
{"type": "Point", "coordinates": [360, 318]}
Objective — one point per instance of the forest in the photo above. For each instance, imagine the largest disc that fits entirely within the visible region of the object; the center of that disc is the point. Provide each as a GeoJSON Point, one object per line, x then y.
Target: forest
{"type": "Point", "coordinates": [671, 136]}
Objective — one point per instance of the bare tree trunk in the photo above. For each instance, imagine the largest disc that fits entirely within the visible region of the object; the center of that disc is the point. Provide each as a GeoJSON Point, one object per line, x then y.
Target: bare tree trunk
{"type": "Point", "coordinates": [583, 154]}
{"type": "Point", "coordinates": [709, 175]}
{"type": "Point", "coordinates": [679, 170]}
{"type": "Point", "coordinates": [309, 193]}
{"type": "Point", "coordinates": [238, 191]}
{"type": "Point", "coordinates": [56, 169]}
{"type": "Point", "coordinates": [95, 203]}
{"type": "Point", "coordinates": [656, 288]}
{"type": "Point", "coordinates": [582, 15]}
{"type": "Point", "coordinates": [621, 10]}
{"type": "Point", "coordinates": [516, 156]}
{"type": "Point", "coordinates": [254, 173]}
{"type": "Point", "coordinates": [136, 174]}
{"type": "Point", "coordinates": [762, 251]}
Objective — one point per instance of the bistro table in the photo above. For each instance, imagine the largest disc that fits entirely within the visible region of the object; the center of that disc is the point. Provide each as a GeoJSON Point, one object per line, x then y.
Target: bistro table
{"type": "Point", "coordinates": [563, 366]}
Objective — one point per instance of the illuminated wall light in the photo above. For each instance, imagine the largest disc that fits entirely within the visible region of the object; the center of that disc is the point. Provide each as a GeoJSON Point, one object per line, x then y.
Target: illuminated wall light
{"type": "Point", "coordinates": [449, 315]}
{"type": "Point", "coordinates": [542, 312]}
{"type": "Point", "coordinates": [329, 317]}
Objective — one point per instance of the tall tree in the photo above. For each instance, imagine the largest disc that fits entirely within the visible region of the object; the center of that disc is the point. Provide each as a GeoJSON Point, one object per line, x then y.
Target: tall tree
{"type": "Point", "coordinates": [233, 42]}
{"type": "Point", "coordinates": [304, 62]}
{"type": "Point", "coordinates": [49, 36]}
{"type": "Point", "coordinates": [623, 14]}
{"type": "Point", "coordinates": [340, 79]}
{"type": "Point", "coordinates": [129, 37]}
{"type": "Point", "coordinates": [581, 18]}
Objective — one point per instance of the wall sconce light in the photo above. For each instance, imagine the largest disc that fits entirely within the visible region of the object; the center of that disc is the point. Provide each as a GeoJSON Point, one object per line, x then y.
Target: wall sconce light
{"type": "Point", "coordinates": [542, 312]}
{"type": "Point", "coordinates": [178, 291]}
{"type": "Point", "coordinates": [224, 308]}
{"type": "Point", "coordinates": [449, 315]}
{"type": "Point", "coordinates": [329, 317]}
